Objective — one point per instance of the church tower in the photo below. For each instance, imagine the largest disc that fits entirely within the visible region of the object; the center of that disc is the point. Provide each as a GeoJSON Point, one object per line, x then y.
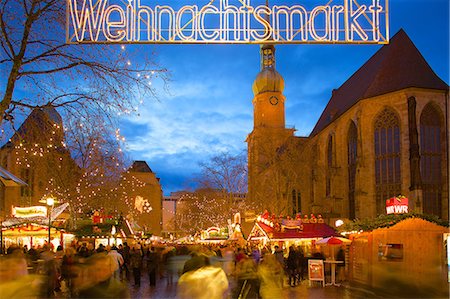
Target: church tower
{"type": "Point", "coordinates": [269, 128]}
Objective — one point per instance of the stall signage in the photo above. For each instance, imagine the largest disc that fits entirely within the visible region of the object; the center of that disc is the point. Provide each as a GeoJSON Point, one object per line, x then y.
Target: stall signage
{"type": "Point", "coordinates": [227, 22]}
{"type": "Point", "coordinates": [291, 223]}
{"type": "Point", "coordinates": [316, 271]}
{"type": "Point", "coordinates": [397, 205]}
{"type": "Point", "coordinates": [27, 212]}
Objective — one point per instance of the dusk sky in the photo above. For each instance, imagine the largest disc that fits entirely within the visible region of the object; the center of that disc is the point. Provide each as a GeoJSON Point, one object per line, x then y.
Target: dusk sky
{"type": "Point", "coordinates": [208, 109]}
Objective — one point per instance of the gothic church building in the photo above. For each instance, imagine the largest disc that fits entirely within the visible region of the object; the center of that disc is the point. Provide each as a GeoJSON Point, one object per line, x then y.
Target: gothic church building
{"type": "Point", "coordinates": [383, 133]}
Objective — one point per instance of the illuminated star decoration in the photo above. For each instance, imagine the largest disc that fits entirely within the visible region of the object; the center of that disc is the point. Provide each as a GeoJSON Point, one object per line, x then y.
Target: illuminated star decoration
{"type": "Point", "coordinates": [142, 205]}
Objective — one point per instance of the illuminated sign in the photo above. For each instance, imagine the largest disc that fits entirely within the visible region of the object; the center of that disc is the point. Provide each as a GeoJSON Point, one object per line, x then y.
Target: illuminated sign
{"type": "Point", "coordinates": [227, 22]}
{"type": "Point", "coordinates": [397, 205]}
{"type": "Point", "coordinates": [28, 212]}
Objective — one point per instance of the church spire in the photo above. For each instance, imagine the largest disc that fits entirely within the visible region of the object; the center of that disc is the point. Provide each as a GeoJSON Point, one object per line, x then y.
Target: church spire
{"type": "Point", "coordinates": [267, 50]}
{"type": "Point", "coordinates": [267, 57]}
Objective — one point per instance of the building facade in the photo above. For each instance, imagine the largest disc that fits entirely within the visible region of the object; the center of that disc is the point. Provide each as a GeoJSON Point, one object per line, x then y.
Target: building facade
{"type": "Point", "coordinates": [268, 135]}
{"type": "Point", "coordinates": [142, 197]}
{"type": "Point", "coordinates": [36, 154]}
{"type": "Point", "coordinates": [383, 133]}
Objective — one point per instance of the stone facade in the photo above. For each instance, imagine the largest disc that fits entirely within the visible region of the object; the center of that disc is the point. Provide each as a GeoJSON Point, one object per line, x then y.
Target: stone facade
{"type": "Point", "coordinates": [268, 135]}
{"type": "Point", "coordinates": [142, 198]}
{"type": "Point", "coordinates": [338, 170]}
{"type": "Point", "coordinates": [363, 114]}
{"type": "Point", "coordinates": [36, 154]}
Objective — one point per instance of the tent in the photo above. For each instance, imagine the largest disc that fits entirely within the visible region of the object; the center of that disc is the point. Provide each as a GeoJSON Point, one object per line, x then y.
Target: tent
{"type": "Point", "coordinates": [285, 232]}
{"type": "Point", "coordinates": [263, 230]}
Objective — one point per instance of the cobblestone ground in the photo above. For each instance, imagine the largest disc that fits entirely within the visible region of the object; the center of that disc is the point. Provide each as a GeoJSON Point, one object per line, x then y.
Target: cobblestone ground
{"type": "Point", "coordinates": [163, 290]}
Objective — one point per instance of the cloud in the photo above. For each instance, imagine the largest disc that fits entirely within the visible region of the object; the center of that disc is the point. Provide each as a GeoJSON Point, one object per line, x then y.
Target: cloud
{"type": "Point", "coordinates": [189, 121]}
{"type": "Point", "coordinates": [210, 107]}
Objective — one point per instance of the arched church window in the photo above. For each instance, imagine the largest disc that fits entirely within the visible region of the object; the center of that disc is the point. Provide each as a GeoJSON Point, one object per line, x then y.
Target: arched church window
{"type": "Point", "coordinates": [352, 154]}
{"type": "Point", "coordinates": [387, 157]}
{"type": "Point", "coordinates": [431, 159]}
{"type": "Point", "coordinates": [2, 197]}
{"type": "Point", "coordinates": [296, 202]}
{"type": "Point", "coordinates": [27, 175]}
{"type": "Point", "coordinates": [329, 165]}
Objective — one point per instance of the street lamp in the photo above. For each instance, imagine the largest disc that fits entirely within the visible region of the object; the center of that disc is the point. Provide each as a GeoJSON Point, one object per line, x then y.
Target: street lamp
{"type": "Point", "coordinates": [49, 201]}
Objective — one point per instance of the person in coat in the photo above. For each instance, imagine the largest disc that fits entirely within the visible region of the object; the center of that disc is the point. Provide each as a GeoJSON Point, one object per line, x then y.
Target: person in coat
{"type": "Point", "coordinates": [136, 264]}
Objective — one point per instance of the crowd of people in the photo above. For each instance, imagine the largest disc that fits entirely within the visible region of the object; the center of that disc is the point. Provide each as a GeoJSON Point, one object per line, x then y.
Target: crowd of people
{"type": "Point", "coordinates": [197, 271]}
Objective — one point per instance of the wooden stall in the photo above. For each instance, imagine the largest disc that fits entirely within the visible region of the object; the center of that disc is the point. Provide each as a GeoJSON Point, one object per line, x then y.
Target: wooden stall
{"type": "Point", "coordinates": [408, 258]}
{"type": "Point", "coordinates": [297, 232]}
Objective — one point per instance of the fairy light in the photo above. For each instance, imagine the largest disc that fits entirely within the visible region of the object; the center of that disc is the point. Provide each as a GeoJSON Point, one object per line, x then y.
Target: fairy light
{"type": "Point", "coordinates": [95, 183]}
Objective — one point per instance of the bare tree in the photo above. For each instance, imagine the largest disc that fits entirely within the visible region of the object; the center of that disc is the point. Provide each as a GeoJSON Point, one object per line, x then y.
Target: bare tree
{"type": "Point", "coordinates": [84, 172]}
{"type": "Point", "coordinates": [221, 190]}
{"type": "Point", "coordinates": [227, 174]}
{"type": "Point", "coordinates": [200, 210]}
{"type": "Point", "coordinates": [89, 85]}
{"type": "Point", "coordinates": [82, 80]}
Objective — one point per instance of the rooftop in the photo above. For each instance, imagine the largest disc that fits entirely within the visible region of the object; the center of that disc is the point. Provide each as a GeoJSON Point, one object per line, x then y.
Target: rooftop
{"type": "Point", "coordinates": [394, 67]}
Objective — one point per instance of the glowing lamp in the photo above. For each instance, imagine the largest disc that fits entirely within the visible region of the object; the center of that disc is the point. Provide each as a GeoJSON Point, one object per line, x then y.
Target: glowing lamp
{"type": "Point", "coordinates": [50, 201]}
{"type": "Point", "coordinates": [338, 223]}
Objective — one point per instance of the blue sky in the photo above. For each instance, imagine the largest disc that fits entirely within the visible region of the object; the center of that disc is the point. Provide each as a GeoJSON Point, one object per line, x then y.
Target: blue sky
{"type": "Point", "coordinates": [208, 109]}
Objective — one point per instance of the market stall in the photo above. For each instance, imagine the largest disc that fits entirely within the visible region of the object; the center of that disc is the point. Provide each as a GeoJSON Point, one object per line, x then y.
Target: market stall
{"type": "Point", "coordinates": [284, 232]}
{"type": "Point", "coordinates": [30, 226]}
{"type": "Point", "coordinates": [106, 231]}
{"type": "Point", "coordinates": [214, 234]}
{"type": "Point", "coordinates": [31, 234]}
{"type": "Point", "coordinates": [408, 255]}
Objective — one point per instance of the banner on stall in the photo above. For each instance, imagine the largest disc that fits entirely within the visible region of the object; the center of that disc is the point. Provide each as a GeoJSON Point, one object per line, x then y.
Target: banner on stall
{"type": "Point", "coordinates": [227, 22]}
{"type": "Point", "coordinates": [27, 212]}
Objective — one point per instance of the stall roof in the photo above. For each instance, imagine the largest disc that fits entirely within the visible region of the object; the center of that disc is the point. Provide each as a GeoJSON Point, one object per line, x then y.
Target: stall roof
{"type": "Point", "coordinates": [29, 229]}
{"type": "Point", "coordinates": [8, 179]}
{"type": "Point", "coordinates": [310, 230]}
{"type": "Point", "coordinates": [36, 219]}
{"type": "Point", "coordinates": [104, 229]}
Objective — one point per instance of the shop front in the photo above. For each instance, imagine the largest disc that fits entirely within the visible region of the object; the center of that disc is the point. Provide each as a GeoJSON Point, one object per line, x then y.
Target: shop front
{"type": "Point", "coordinates": [301, 232]}
{"type": "Point", "coordinates": [409, 258]}
{"type": "Point", "coordinates": [35, 235]}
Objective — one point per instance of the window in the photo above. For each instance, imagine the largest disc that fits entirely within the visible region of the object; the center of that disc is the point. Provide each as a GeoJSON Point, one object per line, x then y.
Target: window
{"type": "Point", "coordinates": [387, 157]}
{"type": "Point", "coordinates": [431, 160]}
{"type": "Point", "coordinates": [329, 165]}
{"type": "Point", "coordinates": [27, 176]}
{"type": "Point", "coordinates": [296, 202]}
{"type": "Point", "coordinates": [352, 154]}
{"type": "Point", "coordinates": [390, 252]}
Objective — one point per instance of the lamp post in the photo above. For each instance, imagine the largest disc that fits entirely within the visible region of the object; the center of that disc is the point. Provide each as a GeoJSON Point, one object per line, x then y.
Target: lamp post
{"type": "Point", "coordinates": [49, 201]}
